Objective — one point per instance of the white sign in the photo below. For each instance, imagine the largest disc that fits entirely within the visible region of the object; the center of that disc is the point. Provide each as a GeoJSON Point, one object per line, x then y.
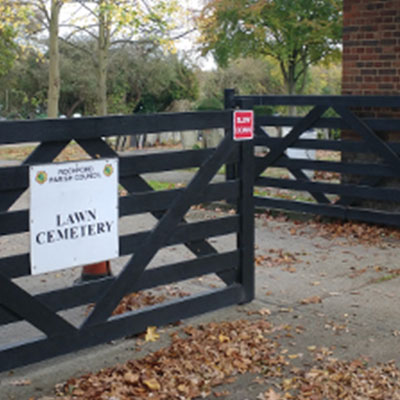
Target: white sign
{"type": "Point", "coordinates": [73, 214]}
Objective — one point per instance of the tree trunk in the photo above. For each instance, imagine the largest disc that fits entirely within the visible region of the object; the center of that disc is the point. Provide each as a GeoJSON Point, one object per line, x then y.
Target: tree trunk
{"type": "Point", "coordinates": [54, 62]}
{"type": "Point", "coordinates": [102, 66]}
{"type": "Point", "coordinates": [291, 87]}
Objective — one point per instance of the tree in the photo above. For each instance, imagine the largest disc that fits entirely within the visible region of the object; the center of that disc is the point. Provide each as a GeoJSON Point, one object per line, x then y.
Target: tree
{"type": "Point", "coordinates": [37, 16]}
{"type": "Point", "coordinates": [54, 58]}
{"type": "Point", "coordinates": [78, 90]}
{"type": "Point", "coordinates": [111, 24]}
{"type": "Point", "coordinates": [24, 87]}
{"type": "Point", "coordinates": [297, 34]}
{"type": "Point", "coordinates": [325, 79]}
{"type": "Point", "coordinates": [13, 16]}
{"type": "Point", "coordinates": [246, 75]}
{"type": "Point", "coordinates": [8, 49]}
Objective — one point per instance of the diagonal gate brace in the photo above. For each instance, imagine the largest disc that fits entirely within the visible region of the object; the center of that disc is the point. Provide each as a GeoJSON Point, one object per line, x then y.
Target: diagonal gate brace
{"type": "Point", "coordinates": [32, 310]}
{"type": "Point", "coordinates": [138, 184]}
{"type": "Point", "coordinates": [299, 174]}
{"type": "Point", "coordinates": [159, 236]}
{"type": "Point", "coordinates": [373, 141]}
{"type": "Point", "coordinates": [45, 152]}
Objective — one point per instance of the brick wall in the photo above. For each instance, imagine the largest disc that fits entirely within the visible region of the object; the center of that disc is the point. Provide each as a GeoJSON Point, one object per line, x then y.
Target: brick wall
{"type": "Point", "coordinates": [371, 47]}
{"type": "Point", "coordinates": [371, 66]}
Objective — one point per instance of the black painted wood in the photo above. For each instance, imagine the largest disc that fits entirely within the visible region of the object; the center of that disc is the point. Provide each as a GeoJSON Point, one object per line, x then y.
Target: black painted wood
{"type": "Point", "coordinates": [140, 164]}
{"type": "Point", "coordinates": [19, 265]}
{"type": "Point", "coordinates": [44, 153]}
{"type": "Point", "coordinates": [117, 327]}
{"type": "Point", "coordinates": [88, 292]}
{"type": "Point", "coordinates": [162, 200]}
{"type": "Point", "coordinates": [368, 169]}
{"type": "Point", "coordinates": [356, 191]}
{"type": "Point", "coordinates": [136, 184]}
{"type": "Point", "coordinates": [94, 127]}
{"type": "Point", "coordinates": [376, 180]}
{"type": "Point", "coordinates": [297, 173]}
{"type": "Point", "coordinates": [246, 212]}
{"type": "Point", "coordinates": [336, 211]}
{"type": "Point", "coordinates": [168, 207]}
{"type": "Point", "coordinates": [376, 144]}
{"type": "Point", "coordinates": [135, 267]}
{"type": "Point", "coordinates": [21, 303]}
{"type": "Point", "coordinates": [184, 232]}
{"type": "Point", "coordinates": [230, 167]}
{"type": "Point", "coordinates": [303, 125]}
{"type": "Point", "coordinates": [377, 124]}
{"type": "Point", "coordinates": [316, 144]}
{"type": "Point", "coordinates": [18, 221]}
{"type": "Point", "coordinates": [329, 101]}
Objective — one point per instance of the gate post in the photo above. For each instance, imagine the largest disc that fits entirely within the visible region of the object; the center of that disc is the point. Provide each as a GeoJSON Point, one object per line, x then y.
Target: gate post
{"type": "Point", "coordinates": [245, 210]}
{"type": "Point", "coordinates": [229, 104]}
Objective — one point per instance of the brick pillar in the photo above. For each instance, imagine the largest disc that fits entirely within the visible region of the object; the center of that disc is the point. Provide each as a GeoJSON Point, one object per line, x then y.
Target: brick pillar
{"type": "Point", "coordinates": [371, 66]}
{"type": "Point", "coordinates": [371, 47]}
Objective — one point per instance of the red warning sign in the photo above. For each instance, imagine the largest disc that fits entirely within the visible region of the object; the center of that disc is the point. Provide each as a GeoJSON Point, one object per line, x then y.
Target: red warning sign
{"type": "Point", "coordinates": [243, 125]}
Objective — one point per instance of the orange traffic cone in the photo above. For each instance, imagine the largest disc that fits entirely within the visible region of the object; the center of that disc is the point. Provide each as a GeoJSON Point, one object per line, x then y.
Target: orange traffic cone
{"type": "Point", "coordinates": [96, 271]}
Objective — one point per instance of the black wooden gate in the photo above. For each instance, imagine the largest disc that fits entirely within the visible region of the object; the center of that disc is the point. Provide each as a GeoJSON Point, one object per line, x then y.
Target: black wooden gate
{"type": "Point", "coordinates": [364, 177]}
{"type": "Point", "coordinates": [56, 334]}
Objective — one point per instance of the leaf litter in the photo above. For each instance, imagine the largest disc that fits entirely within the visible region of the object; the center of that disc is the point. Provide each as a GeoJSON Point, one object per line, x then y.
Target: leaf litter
{"type": "Point", "coordinates": [145, 298]}
{"type": "Point", "coordinates": [200, 359]}
{"type": "Point", "coordinates": [277, 258]}
{"type": "Point", "coordinates": [197, 360]}
{"type": "Point", "coordinates": [355, 233]}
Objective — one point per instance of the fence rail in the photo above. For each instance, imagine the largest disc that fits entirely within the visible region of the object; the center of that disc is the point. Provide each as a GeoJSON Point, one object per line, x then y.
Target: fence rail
{"type": "Point", "coordinates": [364, 164]}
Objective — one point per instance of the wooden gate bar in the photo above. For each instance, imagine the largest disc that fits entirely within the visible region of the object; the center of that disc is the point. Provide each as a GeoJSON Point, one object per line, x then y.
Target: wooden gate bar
{"type": "Point", "coordinates": [20, 302]}
{"type": "Point", "coordinates": [164, 228]}
{"type": "Point", "coordinates": [303, 125]}
{"type": "Point", "coordinates": [117, 327]}
{"type": "Point", "coordinates": [376, 144]}
{"type": "Point", "coordinates": [368, 169]}
{"type": "Point", "coordinates": [297, 173]}
{"type": "Point", "coordinates": [45, 152]}
{"type": "Point", "coordinates": [18, 221]}
{"type": "Point", "coordinates": [19, 265]}
{"type": "Point", "coordinates": [357, 191]}
{"type": "Point", "coordinates": [70, 297]}
{"type": "Point", "coordinates": [138, 184]}
{"type": "Point", "coordinates": [298, 100]}
{"type": "Point", "coordinates": [51, 130]}
{"type": "Point", "coordinates": [323, 144]}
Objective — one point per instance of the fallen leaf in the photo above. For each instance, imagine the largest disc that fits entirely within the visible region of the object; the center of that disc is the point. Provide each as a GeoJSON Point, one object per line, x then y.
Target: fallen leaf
{"type": "Point", "coordinates": [152, 384]}
{"type": "Point", "coordinates": [131, 378]}
{"type": "Point", "coordinates": [151, 334]}
{"type": "Point", "coordinates": [223, 338]}
{"type": "Point", "coordinates": [311, 300]}
{"type": "Point", "coordinates": [222, 394]}
{"type": "Point", "coordinates": [271, 395]}
{"type": "Point", "coordinates": [21, 382]}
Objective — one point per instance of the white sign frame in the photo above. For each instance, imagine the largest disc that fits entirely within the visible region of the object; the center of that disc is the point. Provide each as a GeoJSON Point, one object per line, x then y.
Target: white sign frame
{"type": "Point", "coordinates": [73, 214]}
